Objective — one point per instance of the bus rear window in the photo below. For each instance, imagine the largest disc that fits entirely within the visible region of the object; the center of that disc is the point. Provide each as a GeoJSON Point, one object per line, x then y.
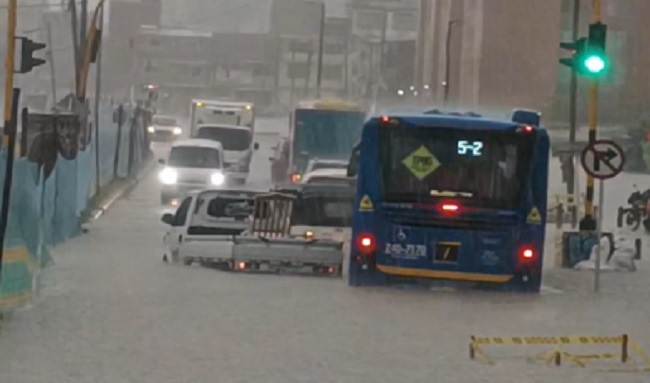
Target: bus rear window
{"type": "Point", "coordinates": [485, 168]}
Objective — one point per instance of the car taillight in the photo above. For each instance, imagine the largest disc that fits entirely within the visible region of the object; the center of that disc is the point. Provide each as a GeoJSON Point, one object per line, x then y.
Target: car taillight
{"type": "Point", "coordinates": [366, 243]}
{"type": "Point", "coordinates": [527, 254]}
{"type": "Point", "coordinates": [295, 178]}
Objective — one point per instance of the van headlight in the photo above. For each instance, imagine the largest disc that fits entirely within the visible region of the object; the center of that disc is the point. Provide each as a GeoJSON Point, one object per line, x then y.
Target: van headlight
{"type": "Point", "coordinates": [217, 179]}
{"type": "Point", "coordinates": [168, 176]}
{"type": "Point", "coordinates": [177, 131]}
{"type": "Point", "coordinates": [151, 129]}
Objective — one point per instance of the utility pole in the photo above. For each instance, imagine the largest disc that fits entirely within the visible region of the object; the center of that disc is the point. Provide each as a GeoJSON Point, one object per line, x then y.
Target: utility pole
{"type": "Point", "coordinates": [89, 51]}
{"type": "Point", "coordinates": [50, 56]}
{"type": "Point", "coordinates": [75, 42]}
{"type": "Point", "coordinates": [83, 24]}
{"type": "Point", "coordinates": [9, 130]}
{"type": "Point", "coordinates": [445, 85]}
{"type": "Point", "coordinates": [98, 85]}
{"type": "Point", "coordinates": [321, 41]}
{"type": "Point", "coordinates": [12, 10]}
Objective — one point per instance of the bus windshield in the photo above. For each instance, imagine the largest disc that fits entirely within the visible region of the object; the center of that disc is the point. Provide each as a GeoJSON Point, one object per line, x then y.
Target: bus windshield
{"type": "Point", "coordinates": [485, 168]}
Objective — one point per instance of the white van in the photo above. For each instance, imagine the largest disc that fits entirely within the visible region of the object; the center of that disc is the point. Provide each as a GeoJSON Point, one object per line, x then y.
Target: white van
{"type": "Point", "coordinates": [238, 147]}
{"type": "Point", "coordinates": [193, 164]}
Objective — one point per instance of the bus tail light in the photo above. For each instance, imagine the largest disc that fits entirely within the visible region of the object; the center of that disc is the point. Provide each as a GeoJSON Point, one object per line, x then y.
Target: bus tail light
{"type": "Point", "coordinates": [525, 129]}
{"type": "Point", "coordinates": [526, 254]}
{"type": "Point", "coordinates": [449, 208]}
{"type": "Point", "coordinates": [366, 243]}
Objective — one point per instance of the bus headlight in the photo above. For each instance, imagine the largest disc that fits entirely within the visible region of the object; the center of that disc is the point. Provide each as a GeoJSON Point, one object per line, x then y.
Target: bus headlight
{"type": "Point", "coordinates": [217, 179]}
{"type": "Point", "coordinates": [168, 176]}
{"type": "Point", "coordinates": [151, 129]}
{"type": "Point", "coordinates": [177, 131]}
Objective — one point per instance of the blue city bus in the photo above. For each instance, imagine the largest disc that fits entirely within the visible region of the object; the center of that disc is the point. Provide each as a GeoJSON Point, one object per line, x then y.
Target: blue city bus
{"type": "Point", "coordinates": [450, 197]}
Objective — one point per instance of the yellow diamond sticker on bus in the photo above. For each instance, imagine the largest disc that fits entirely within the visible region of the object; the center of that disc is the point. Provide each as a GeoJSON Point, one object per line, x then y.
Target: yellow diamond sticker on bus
{"type": "Point", "coordinates": [534, 217]}
{"type": "Point", "coordinates": [421, 163]}
{"type": "Point", "coordinates": [366, 204]}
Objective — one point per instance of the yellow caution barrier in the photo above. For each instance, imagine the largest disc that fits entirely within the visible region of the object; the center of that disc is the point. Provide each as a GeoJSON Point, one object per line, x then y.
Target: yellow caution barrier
{"type": "Point", "coordinates": [557, 354]}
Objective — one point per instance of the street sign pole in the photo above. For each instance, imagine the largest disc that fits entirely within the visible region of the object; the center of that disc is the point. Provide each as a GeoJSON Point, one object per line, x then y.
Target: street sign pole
{"type": "Point", "coordinates": [601, 159]}
{"type": "Point", "coordinates": [599, 233]}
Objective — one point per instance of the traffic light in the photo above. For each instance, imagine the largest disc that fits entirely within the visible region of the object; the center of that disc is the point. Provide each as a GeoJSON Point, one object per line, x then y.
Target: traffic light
{"type": "Point", "coordinates": [27, 59]}
{"type": "Point", "coordinates": [577, 49]}
{"type": "Point", "coordinates": [595, 59]}
{"type": "Point", "coordinates": [589, 57]}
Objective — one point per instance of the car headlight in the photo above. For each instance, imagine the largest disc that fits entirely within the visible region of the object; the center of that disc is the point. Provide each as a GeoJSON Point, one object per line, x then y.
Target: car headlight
{"type": "Point", "coordinates": [168, 176]}
{"type": "Point", "coordinates": [217, 179]}
{"type": "Point", "coordinates": [177, 131]}
{"type": "Point", "coordinates": [151, 129]}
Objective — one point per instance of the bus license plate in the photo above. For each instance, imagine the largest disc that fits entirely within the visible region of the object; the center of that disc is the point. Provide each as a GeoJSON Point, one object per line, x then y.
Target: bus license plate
{"type": "Point", "coordinates": [447, 252]}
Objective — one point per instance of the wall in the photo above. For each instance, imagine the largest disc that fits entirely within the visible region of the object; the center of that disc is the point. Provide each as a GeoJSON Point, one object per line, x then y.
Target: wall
{"type": "Point", "coordinates": [46, 210]}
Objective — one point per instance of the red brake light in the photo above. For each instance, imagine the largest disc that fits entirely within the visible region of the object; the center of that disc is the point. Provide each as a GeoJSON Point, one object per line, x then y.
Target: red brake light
{"type": "Point", "coordinates": [526, 129]}
{"type": "Point", "coordinates": [385, 119]}
{"type": "Point", "coordinates": [450, 208]}
{"type": "Point", "coordinates": [295, 178]}
{"type": "Point", "coordinates": [366, 243]}
{"type": "Point", "coordinates": [527, 254]}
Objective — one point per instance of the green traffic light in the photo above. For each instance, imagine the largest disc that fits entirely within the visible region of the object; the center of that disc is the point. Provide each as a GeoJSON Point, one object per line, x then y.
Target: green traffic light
{"type": "Point", "coordinates": [595, 64]}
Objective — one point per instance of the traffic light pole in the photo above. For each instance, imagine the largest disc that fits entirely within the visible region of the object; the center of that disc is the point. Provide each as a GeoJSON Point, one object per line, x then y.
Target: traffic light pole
{"type": "Point", "coordinates": [588, 223]}
{"type": "Point", "coordinates": [573, 101]}
{"type": "Point", "coordinates": [10, 58]}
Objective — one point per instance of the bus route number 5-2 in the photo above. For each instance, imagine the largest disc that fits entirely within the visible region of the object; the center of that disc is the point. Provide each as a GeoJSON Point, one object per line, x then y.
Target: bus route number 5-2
{"type": "Point", "coordinates": [474, 148]}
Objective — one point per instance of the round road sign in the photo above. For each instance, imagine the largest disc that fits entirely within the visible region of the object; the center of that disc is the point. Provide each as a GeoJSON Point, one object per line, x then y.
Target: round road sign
{"type": "Point", "coordinates": [603, 159]}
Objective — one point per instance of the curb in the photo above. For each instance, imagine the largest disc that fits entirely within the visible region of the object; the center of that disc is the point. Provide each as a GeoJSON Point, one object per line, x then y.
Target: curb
{"type": "Point", "coordinates": [149, 165]}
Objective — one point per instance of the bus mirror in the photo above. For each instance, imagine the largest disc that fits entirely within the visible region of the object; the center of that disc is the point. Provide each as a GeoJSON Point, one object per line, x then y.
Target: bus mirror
{"type": "Point", "coordinates": [352, 168]}
{"type": "Point", "coordinates": [256, 146]}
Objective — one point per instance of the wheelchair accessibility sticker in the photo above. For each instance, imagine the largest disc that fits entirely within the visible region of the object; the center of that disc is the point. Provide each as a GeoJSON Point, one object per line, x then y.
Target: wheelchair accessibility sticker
{"type": "Point", "coordinates": [421, 163]}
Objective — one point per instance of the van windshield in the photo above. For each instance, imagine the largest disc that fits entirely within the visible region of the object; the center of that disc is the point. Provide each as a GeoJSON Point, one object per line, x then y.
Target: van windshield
{"type": "Point", "coordinates": [194, 157]}
{"type": "Point", "coordinates": [231, 139]}
{"type": "Point", "coordinates": [164, 121]}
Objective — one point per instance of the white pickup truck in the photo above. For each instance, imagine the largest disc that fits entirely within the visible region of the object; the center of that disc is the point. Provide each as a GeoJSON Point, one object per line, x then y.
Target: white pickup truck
{"type": "Point", "coordinates": [201, 229]}
{"type": "Point", "coordinates": [306, 228]}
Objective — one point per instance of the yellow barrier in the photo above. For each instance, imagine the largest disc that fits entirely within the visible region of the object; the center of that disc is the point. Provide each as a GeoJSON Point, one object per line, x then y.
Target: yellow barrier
{"type": "Point", "coordinates": [556, 355]}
